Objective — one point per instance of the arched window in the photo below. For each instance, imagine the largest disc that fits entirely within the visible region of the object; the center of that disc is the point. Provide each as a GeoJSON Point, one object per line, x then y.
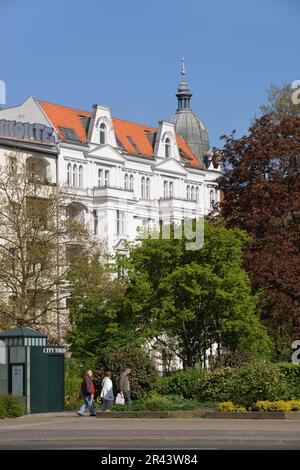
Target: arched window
{"type": "Point", "coordinates": [80, 176]}
{"type": "Point", "coordinates": [148, 188]}
{"type": "Point", "coordinates": [188, 193]}
{"type": "Point", "coordinates": [37, 168]}
{"type": "Point", "coordinates": [76, 211]}
{"type": "Point", "coordinates": [102, 134]}
{"type": "Point", "coordinates": [74, 179]}
{"type": "Point", "coordinates": [167, 148]}
{"type": "Point", "coordinates": [211, 199]}
{"type": "Point", "coordinates": [143, 187]}
{"type": "Point", "coordinates": [126, 181]}
{"type": "Point", "coordinates": [197, 195]}
{"type": "Point", "coordinates": [69, 174]}
{"type": "Point", "coordinates": [131, 182]}
{"type": "Point", "coordinates": [192, 193]}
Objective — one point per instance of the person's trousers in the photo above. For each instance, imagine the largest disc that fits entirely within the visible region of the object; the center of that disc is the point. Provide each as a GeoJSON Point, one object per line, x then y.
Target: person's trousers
{"type": "Point", "coordinates": [127, 398]}
{"type": "Point", "coordinates": [88, 401]}
{"type": "Point", "coordinates": [107, 405]}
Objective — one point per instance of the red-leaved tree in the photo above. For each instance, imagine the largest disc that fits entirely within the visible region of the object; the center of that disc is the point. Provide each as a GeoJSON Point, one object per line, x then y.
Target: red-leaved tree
{"type": "Point", "coordinates": [261, 183]}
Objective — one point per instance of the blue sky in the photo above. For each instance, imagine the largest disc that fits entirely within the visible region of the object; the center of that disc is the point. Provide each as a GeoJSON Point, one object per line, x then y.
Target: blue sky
{"type": "Point", "coordinates": [126, 54]}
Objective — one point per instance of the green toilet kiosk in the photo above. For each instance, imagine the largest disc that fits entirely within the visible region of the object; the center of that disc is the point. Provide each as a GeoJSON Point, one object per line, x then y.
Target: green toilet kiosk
{"type": "Point", "coordinates": [32, 370]}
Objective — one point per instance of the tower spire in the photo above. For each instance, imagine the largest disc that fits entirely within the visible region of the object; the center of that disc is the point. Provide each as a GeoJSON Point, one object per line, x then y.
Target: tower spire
{"type": "Point", "coordinates": [184, 93]}
{"type": "Point", "coordinates": [183, 72]}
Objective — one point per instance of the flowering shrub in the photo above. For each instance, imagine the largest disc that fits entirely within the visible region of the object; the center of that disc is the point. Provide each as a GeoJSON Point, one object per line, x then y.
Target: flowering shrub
{"type": "Point", "coordinates": [229, 406]}
{"type": "Point", "coordinates": [281, 405]}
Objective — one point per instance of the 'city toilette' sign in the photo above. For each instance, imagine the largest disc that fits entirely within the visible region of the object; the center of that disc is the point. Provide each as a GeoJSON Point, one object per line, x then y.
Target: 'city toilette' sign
{"type": "Point", "coordinates": [53, 350]}
{"type": "Point", "coordinates": [25, 131]}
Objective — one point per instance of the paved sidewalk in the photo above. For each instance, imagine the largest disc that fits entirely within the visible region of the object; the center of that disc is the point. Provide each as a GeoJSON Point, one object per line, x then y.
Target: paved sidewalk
{"type": "Point", "coordinates": [66, 430]}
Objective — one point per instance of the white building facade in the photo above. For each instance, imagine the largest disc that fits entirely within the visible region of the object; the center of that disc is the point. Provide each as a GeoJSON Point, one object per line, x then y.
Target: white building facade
{"type": "Point", "coordinates": [121, 175]}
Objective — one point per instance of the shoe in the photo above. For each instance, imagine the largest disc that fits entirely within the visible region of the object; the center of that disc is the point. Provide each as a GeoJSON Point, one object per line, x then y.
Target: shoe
{"type": "Point", "coordinates": [93, 415]}
{"type": "Point", "coordinates": [79, 414]}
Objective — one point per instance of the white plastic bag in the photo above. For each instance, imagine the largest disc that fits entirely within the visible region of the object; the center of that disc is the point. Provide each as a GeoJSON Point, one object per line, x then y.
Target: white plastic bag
{"type": "Point", "coordinates": [120, 400]}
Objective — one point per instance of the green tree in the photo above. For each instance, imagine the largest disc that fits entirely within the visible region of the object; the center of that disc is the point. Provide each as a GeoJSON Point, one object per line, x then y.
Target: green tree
{"type": "Point", "coordinates": [200, 298]}
{"type": "Point", "coordinates": [280, 103]}
{"type": "Point", "coordinates": [96, 322]}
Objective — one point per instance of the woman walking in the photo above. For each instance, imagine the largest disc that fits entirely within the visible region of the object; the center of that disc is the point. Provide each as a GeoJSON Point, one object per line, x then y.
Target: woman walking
{"type": "Point", "coordinates": [107, 393]}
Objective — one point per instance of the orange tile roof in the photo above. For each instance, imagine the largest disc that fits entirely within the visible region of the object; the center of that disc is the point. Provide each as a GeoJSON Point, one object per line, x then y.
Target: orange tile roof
{"type": "Point", "coordinates": [63, 116]}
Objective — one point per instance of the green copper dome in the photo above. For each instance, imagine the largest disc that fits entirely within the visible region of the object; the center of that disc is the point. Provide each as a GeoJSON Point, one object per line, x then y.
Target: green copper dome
{"type": "Point", "coordinates": [188, 124]}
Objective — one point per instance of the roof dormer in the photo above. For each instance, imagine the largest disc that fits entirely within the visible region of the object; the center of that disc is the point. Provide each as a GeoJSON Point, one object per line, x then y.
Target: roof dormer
{"type": "Point", "coordinates": [166, 143]}
{"type": "Point", "coordinates": [101, 129]}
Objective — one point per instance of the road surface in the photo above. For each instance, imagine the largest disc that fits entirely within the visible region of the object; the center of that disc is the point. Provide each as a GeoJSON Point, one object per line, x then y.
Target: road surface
{"type": "Point", "coordinates": [67, 431]}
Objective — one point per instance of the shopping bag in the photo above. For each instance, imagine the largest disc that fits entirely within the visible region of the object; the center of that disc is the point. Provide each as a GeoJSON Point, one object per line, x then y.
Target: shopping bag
{"type": "Point", "coordinates": [120, 400]}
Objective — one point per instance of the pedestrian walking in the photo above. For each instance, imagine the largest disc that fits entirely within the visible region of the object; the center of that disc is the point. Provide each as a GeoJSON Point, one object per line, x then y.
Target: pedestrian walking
{"type": "Point", "coordinates": [107, 393]}
{"type": "Point", "coordinates": [87, 392]}
{"type": "Point", "coordinates": [124, 385]}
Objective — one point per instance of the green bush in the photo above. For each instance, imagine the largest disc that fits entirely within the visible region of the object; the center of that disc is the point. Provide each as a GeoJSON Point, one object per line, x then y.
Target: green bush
{"type": "Point", "coordinates": [292, 374]}
{"type": "Point", "coordinates": [215, 386]}
{"type": "Point", "coordinates": [258, 381]}
{"type": "Point", "coordinates": [155, 402]}
{"type": "Point", "coordinates": [144, 373]}
{"type": "Point", "coordinates": [73, 378]}
{"type": "Point", "coordinates": [11, 407]}
{"type": "Point", "coordinates": [183, 382]}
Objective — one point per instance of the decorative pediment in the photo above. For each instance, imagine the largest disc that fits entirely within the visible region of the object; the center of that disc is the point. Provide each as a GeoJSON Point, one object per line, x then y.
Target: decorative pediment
{"type": "Point", "coordinates": [121, 246]}
{"type": "Point", "coordinates": [101, 121]}
{"type": "Point", "coordinates": [166, 137]}
{"type": "Point", "coordinates": [105, 152]}
{"type": "Point", "coordinates": [171, 165]}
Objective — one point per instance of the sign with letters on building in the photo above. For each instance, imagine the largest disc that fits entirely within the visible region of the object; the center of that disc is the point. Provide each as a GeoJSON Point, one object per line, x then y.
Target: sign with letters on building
{"type": "Point", "coordinates": [25, 131]}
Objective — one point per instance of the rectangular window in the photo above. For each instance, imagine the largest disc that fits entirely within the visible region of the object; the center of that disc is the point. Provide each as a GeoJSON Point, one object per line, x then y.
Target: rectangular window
{"type": "Point", "coordinates": [38, 212]}
{"type": "Point", "coordinates": [120, 223]}
{"type": "Point", "coordinates": [100, 178]}
{"type": "Point", "coordinates": [171, 192]}
{"type": "Point", "coordinates": [106, 179]}
{"type": "Point", "coordinates": [73, 251]}
{"type": "Point", "coordinates": [165, 189]}
{"type": "Point", "coordinates": [95, 215]}
{"type": "Point", "coordinates": [12, 164]}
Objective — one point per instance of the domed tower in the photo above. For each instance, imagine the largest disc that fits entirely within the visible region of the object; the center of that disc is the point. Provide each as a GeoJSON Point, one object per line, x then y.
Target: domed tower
{"type": "Point", "coordinates": [187, 124]}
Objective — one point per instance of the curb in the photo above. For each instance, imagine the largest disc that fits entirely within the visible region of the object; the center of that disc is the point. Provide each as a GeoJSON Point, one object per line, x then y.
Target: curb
{"type": "Point", "coordinates": [252, 415]}
{"type": "Point", "coordinates": [152, 414]}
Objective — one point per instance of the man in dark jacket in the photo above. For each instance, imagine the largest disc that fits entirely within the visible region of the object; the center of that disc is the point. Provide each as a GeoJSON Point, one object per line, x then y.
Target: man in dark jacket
{"type": "Point", "coordinates": [125, 385]}
{"type": "Point", "coordinates": [87, 392]}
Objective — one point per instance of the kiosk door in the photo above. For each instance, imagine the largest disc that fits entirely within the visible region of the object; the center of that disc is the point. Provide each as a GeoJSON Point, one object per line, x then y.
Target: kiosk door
{"type": "Point", "coordinates": [17, 379]}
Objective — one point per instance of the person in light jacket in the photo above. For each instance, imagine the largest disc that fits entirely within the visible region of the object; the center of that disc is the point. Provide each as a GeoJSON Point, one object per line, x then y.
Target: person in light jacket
{"type": "Point", "coordinates": [107, 393]}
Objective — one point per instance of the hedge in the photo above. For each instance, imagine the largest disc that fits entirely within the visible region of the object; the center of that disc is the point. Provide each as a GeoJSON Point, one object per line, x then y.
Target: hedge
{"type": "Point", "coordinates": [11, 407]}
{"type": "Point", "coordinates": [291, 373]}
{"type": "Point", "coordinates": [142, 378]}
{"type": "Point", "coordinates": [183, 382]}
{"type": "Point", "coordinates": [155, 402]}
{"type": "Point", "coordinates": [252, 382]}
